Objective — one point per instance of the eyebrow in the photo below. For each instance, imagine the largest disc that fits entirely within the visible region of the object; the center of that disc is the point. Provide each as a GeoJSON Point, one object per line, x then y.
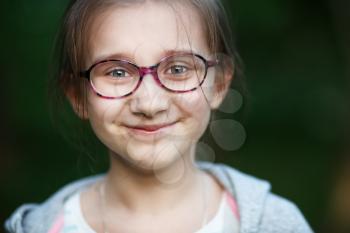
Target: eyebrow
{"type": "Point", "coordinates": [123, 56]}
{"type": "Point", "coordinates": [129, 57]}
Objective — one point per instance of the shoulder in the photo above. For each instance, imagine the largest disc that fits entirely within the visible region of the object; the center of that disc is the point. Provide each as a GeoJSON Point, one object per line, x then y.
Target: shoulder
{"type": "Point", "coordinates": [282, 215]}
{"type": "Point", "coordinates": [260, 210]}
{"type": "Point", "coordinates": [38, 218]}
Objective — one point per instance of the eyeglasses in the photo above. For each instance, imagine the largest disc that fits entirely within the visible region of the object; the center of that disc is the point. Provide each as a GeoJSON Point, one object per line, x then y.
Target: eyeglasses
{"type": "Point", "coordinates": [180, 73]}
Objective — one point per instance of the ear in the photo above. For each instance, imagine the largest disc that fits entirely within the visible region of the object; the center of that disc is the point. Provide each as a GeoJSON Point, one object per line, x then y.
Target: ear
{"type": "Point", "coordinates": [221, 85]}
{"type": "Point", "coordinates": [78, 105]}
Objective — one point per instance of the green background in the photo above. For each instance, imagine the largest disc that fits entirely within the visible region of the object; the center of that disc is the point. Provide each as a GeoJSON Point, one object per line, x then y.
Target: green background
{"type": "Point", "coordinates": [295, 115]}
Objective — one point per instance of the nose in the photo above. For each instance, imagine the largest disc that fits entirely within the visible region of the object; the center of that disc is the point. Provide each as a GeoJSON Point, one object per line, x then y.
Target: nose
{"type": "Point", "coordinates": [149, 99]}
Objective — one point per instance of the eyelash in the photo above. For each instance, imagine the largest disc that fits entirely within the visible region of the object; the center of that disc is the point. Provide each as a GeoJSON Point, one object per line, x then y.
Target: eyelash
{"type": "Point", "coordinates": [110, 73]}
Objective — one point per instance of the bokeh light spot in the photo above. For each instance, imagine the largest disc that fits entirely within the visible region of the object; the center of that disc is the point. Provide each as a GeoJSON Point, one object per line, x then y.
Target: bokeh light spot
{"type": "Point", "coordinates": [229, 134]}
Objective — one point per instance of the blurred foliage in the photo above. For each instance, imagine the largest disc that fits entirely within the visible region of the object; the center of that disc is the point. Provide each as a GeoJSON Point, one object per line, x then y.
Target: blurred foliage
{"type": "Point", "coordinates": [295, 114]}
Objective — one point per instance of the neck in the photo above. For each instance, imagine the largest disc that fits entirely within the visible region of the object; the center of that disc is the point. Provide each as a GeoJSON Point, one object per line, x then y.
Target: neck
{"type": "Point", "coordinates": [139, 191]}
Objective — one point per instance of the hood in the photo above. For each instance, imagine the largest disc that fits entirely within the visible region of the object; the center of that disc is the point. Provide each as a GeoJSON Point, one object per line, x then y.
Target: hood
{"type": "Point", "coordinates": [250, 193]}
{"type": "Point", "coordinates": [38, 218]}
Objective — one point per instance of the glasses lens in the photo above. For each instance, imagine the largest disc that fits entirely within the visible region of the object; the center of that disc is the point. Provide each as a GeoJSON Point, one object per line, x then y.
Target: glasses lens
{"type": "Point", "coordinates": [114, 78]}
{"type": "Point", "coordinates": [182, 72]}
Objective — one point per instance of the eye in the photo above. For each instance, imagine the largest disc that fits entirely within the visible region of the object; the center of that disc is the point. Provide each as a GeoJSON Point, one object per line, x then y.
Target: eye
{"type": "Point", "coordinates": [177, 69]}
{"type": "Point", "coordinates": [119, 73]}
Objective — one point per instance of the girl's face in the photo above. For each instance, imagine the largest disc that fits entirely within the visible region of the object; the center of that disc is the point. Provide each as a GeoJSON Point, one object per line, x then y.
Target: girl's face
{"type": "Point", "coordinates": [152, 128]}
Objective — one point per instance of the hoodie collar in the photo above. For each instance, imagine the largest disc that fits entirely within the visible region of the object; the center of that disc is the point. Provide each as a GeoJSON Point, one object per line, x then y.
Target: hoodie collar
{"type": "Point", "coordinates": [249, 192]}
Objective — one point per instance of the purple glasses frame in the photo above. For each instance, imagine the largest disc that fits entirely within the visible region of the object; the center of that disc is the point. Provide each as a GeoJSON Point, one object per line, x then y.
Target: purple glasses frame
{"type": "Point", "coordinates": [153, 70]}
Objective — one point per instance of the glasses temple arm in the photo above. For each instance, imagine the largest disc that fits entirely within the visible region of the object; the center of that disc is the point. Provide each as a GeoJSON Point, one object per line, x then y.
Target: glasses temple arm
{"type": "Point", "coordinates": [213, 63]}
{"type": "Point", "coordinates": [85, 74]}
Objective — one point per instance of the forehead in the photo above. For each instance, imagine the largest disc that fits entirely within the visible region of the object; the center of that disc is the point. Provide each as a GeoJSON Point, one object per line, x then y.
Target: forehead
{"type": "Point", "coordinates": [146, 32]}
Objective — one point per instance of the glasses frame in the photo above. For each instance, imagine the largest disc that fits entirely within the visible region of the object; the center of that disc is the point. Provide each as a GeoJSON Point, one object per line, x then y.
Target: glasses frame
{"type": "Point", "coordinates": [144, 70]}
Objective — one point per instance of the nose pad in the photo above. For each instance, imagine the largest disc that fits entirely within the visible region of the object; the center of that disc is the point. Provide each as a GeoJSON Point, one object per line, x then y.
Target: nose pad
{"type": "Point", "coordinates": [150, 98]}
{"type": "Point", "coordinates": [144, 71]}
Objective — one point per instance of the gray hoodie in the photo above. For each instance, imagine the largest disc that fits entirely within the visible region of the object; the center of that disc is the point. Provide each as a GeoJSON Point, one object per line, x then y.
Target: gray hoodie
{"type": "Point", "coordinates": [260, 211]}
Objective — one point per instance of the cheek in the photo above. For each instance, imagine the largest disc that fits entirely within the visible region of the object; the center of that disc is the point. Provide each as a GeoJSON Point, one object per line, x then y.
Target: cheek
{"type": "Point", "coordinates": [208, 87]}
{"type": "Point", "coordinates": [103, 111]}
{"type": "Point", "coordinates": [196, 110]}
{"type": "Point", "coordinates": [104, 116]}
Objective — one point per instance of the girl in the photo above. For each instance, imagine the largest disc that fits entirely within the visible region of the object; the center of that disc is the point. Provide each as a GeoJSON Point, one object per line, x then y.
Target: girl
{"type": "Point", "coordinates": [146, 75]}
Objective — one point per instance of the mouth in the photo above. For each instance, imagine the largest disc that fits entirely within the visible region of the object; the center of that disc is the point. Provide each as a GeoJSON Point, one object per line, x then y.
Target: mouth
{"type": "Point", "coordinates": [149, 129]}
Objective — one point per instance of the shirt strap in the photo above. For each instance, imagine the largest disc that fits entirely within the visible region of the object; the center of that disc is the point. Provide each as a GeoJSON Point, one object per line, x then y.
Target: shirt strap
{"type": "Point", "coordinates": [57, 225]}
{"type": "Point", "coordinates": [233, 204]}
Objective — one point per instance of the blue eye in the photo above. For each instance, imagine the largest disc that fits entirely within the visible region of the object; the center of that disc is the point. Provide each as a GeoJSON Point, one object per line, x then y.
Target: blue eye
{"type": "Point", "coordinates": [178, 69]}
{"type": "Point", "coordinates": [119, 73]}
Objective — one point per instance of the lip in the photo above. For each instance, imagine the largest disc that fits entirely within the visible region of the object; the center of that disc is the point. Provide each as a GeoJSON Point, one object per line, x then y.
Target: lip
{"type": "Point", "coordinates": [150, 129]}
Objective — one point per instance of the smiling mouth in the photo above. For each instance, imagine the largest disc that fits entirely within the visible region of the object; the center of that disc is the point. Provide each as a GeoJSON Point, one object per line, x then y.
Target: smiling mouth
{"type": "Point", "coordinates": [149, 129]}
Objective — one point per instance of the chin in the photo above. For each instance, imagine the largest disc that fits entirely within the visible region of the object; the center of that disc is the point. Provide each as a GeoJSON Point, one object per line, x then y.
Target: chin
{"type": "Point", "coordinates": [151, 158]}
